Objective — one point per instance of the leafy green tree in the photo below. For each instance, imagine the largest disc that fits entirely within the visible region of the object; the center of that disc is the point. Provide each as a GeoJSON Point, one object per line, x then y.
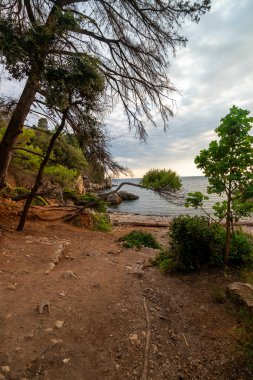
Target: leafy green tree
{"type": "Point", "coordinates": [130, 38]}
{"type": "Point", "coordinates": [162, 180]}
{"type": "Point", "coordinates": [228, 165]}
{"type": "Point", "coordinates": [165, 183]}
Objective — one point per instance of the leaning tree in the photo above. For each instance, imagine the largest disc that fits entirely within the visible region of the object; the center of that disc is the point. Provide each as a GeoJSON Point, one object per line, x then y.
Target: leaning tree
{"type": "Point", "coordinates": [72, 93]}
{"type": "Point", "coordinates": [131, 39]}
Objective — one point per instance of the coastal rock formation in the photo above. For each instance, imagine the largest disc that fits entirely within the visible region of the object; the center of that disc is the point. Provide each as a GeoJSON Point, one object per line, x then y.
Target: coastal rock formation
{"type": "Point", "coordinates": [127, 196]}
{"type": "Point", "coordinates": [114, 199]}
{"type": "Point", "coordinates": [84, 184]}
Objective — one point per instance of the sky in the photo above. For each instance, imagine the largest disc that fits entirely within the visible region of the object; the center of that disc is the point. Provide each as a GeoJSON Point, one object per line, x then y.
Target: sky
{"type": "Point", "coordinates": [214, 72]}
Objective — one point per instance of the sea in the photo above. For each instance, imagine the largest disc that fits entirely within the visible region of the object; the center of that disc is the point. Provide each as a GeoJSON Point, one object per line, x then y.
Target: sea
{"type": "Point", "coordinates": [150, 203]}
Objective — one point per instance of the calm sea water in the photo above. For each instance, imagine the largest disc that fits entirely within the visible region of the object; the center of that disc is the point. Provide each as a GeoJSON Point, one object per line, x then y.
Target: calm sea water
{"type": "Point", "coordinates": [150, 203]}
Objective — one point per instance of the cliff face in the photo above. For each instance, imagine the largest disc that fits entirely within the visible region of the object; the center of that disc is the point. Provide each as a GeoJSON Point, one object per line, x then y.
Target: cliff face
{"type": "Point", "coordinates": [84, 184]}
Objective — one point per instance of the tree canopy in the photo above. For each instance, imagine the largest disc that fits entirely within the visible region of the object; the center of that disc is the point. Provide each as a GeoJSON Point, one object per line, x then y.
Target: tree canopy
{"type": "Point", "coordinates": [162, 180]}
{"type": "Point", "coordinates": [228, 164]}
{"type": "Point", "coordinates": [131, 41]}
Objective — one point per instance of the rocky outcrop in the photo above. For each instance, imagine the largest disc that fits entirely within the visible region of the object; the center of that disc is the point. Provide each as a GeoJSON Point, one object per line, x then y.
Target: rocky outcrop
{"type": "Point", "coordinates": [84, 184]}
{"type": "Point", "coordinates": [127, 196]}
{"type": "Point", "coordinates": [114, 199]}
{"type": "Point", "coordinates": [243, 293]}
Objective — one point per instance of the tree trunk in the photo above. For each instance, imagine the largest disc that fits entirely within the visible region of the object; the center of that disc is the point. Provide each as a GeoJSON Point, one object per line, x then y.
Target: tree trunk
{"type": "Point", "coordinates": [16, 123]}
{"type": "Point", "coordinates": [228, 226]}
{"type": "Point", "coordinates": [24, 104]}
{"type": "Point", "coordinates": [39, 177]}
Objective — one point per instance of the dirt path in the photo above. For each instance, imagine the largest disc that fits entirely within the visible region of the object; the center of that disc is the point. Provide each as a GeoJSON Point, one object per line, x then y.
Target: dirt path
{"type": "Point", "coordinates": [96, 325]}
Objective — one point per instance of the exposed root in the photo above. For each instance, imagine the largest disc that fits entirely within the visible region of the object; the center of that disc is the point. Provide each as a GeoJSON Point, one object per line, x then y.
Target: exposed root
{"type": "Point", "coordinates": [144, 375]}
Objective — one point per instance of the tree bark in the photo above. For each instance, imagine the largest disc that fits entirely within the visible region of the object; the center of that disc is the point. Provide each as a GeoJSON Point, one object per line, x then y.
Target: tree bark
{"type": "Point", "coordinates": [39, 177]}
{"type": "Point", "coordinates": [228, 226]}
{"type": "Point", "coordinates": [16, 124]}
{"type": "Point", "coordinates": [24, 104]}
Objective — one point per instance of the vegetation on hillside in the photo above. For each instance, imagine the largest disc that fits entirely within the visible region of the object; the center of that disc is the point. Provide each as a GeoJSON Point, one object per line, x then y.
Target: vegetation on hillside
{"type": "Point", "coordinates": [66, 162]}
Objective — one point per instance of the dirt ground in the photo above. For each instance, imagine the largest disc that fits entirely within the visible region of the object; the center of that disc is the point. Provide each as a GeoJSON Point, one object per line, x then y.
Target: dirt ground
{"type": "Point", "coordinates": [75, 304]}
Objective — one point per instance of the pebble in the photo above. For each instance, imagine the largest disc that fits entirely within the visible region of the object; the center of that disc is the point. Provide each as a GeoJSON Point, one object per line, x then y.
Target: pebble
{"type": "Point", "coordinates": [68, 274]}
{"type": "Point", "coordinates": [56, 341]}
{"type": "Point", "coordinates": [49, 330]}
{"type": "Point", "coordinates": [117, 367]}
{"type": "Point", "coordinates": [66, 360]}
{"type": "Point", "coordinates": [134, 338]}
{"type": "Point", "coordinates": [173, 336]}
{"type": "Point", "coordinates": [11, 287]}
{"type": "Point", "coordinates": [59, 324]}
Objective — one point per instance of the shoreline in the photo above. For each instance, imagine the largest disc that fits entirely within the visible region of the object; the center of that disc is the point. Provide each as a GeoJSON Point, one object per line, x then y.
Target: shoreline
{"type": "Point", "coordinates": [125, 218]}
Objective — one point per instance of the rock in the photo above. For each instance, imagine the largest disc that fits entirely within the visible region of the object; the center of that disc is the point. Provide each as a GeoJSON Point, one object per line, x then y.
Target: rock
{"type": "Point", "coordinates": [66, 360]}
{"type": "Point", "coordinates": [43, 306]}
{"type": "Point", "coordinates": [114, 199]}
{"type": "Point", "coordinates": [56, 341]}
{"type": "Point", "coordinates": [49, 330]}
{"type": "Point", "coordinates": [5, 369]}
{"type": "Point", "coordinates": [51, 267]}
{"type": "Point", "coordinates": [2, 377]}
{"type": "Point", "coordinates": [243, 293]}
{"type": "Point", "coordinates": [125, 196]}
{"type": "Point", "coordinates": [134, 339]}
{"type": "Point", "coordinates": [11, 287]}
{"type": "Point", "coordinates": [59, 324]}
{"type": "Point", "coordinates": [68, 274]}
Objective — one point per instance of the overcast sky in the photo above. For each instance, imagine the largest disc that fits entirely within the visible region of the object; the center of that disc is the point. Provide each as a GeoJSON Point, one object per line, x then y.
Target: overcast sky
{"type": "Point", "coordinates": [214, 72]}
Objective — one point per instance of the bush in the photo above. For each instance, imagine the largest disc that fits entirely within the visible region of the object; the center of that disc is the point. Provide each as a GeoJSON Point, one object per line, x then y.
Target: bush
{"type": "Point", "coordinates": [101, 222]}
{"type": "Point", "coordinates": [138, 239]}
{"type": "Point", "coordinates": [195, 242]}
{"type": "Point", "coordinates": [241, 249]}
{"type": "Point", "coordinates": [85, 199]}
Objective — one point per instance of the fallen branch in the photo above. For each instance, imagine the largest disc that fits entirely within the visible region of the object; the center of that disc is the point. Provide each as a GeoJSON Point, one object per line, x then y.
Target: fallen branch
{"type": "Point", "coordinates": [144, 375]}
{"type": "Point", "coordinates": [170, 196]}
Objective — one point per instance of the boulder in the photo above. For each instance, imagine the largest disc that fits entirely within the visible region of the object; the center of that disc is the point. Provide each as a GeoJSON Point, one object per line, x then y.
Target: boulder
{"type": "Point", "coordinates": [127, 196]}
{"type": "Point", "coordinates": [243, 293]}
{"type": "Point", "coordinates": [114, 199]}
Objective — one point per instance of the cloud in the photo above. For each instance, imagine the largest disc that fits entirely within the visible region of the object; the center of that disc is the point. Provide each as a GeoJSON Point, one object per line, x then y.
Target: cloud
{"type": "Point", "coordinates": [213, 72]}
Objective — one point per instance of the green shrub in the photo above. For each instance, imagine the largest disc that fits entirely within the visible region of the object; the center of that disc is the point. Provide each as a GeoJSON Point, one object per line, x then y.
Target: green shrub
{"type": "Point", "coordinates": [195, 242]}
{"type": "Point", "coordinates": [101, 222]}
{"type": "Point", "coordinates": [11, 192]}
{"type": "Point", "coordinates": [99, 206]}
{"type": "Point", "coordinates": [85, 199]}
{"type": "Point", "coordinates": [39, 201]}
{"type": "Point", "coordinates": [138, 239]}
{"type": "Point", "coordinates": [241, 249]}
